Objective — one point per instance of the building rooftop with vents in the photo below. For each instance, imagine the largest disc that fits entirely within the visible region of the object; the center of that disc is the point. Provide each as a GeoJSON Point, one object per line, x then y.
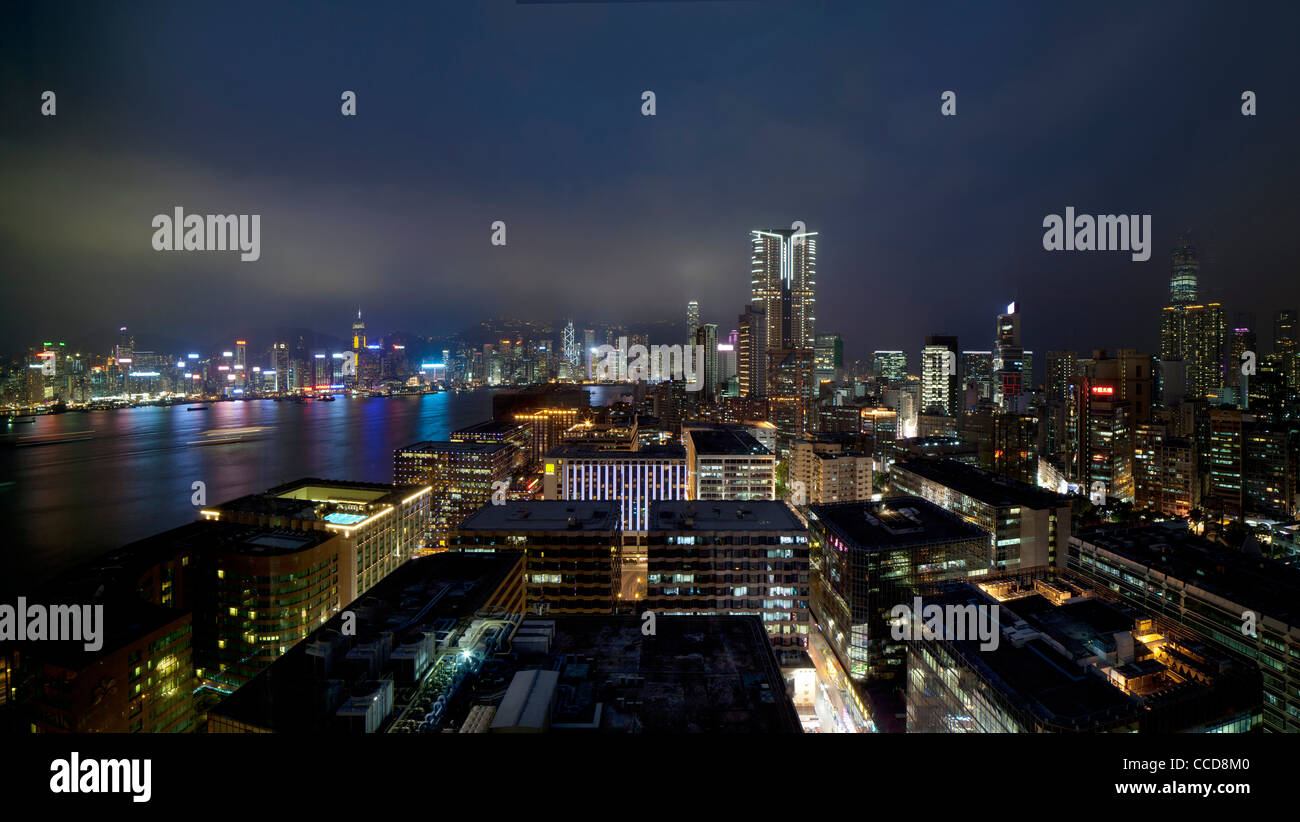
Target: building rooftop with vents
{"type": "Point", "coordinates": [893, 522]}
{"type": "Point", "coordinates": [544, 515]}
{"type": "Point", "coordinates": [717, 515]}
{"type": "Point", "coordinates": [1068, 661]}
{"type": "Point", "coordinates": [984, 486]}
{"type": "Point", "coordinates": [1269, 586]}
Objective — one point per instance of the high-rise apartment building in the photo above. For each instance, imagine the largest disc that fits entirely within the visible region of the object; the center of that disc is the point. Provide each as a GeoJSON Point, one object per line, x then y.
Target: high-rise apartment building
{"type": "Point", "coordinates": [706, 336]}
{"type": "Point", "coordinates": [791, 391]}
{"type": "Point", "coordinates": [1165, 477]}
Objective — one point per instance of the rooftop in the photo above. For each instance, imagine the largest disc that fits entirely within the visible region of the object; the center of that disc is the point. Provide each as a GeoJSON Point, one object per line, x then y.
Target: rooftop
{"type": "Point", "coordinates": [545, 515]}
{"type": "Point", "coordinates": [447, 446]}
{"type": "Point", "coordinates": [1053, 663]}
{"type": "Point", "coordinates": [985, 486]}
{"type": "Point", "coordinates": [340, 503]}
{"type": "Point", "coordinates": [302, 690]}
{"type": "Point", "coordinates": [1269, 586]}
{"type": "Point", "coordinates": [695, 674]}
{"type": "Point", "coordinates": [571, 451]}
{"type": "Point", "coordinates": [726, 441]}
{"type": "Point", "coordinates": [894, 522]}
{"type": "Point", "coordinates": [711, 515]}
{"type": "Point", "coordinates": [486, 428]}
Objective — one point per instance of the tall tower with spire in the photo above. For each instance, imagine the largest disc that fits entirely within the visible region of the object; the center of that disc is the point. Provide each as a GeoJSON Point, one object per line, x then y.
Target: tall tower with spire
{"type": "Point", "coordinates": [358, 332]}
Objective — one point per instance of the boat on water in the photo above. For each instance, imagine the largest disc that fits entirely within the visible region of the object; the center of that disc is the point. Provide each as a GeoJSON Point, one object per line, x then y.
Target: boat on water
{"type": "Point", "coordinates": [226, 436]}
{"type": "Point", "coordinates": [53, 439]}
{"type": "Point", "coordinates": [20, 421]}
{"type": "Point", "coordinates": [197, 408]}
{"type": "Point", "coordinates": [326, 398]}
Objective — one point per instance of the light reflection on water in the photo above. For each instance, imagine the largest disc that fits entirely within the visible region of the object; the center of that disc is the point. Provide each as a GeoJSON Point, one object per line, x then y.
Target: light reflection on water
{"type": "Point", "coordinates": [72, 500]}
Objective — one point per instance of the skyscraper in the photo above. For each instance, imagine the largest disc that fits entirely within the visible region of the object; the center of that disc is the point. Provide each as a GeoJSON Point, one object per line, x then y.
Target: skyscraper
{"type": "Point", "coordinates": [783, 277]}
{"type": "Point", "coordinates": [751, 358]}
{"type": "Point", "coordinates": [1192, 332]}
{"type": "Point", "coordinates": [1008, 361]}
{"type": "Point", "coordinates": [358, 333]}
{"type": "Point", "coordinates": [939, 386]}
{"type": "Point", "coordinates": [889, 365]}
{"type": "Point", "coordinates": [1183, 281]}
{"type": "Point", "coordinates": [707, 336]}
{"type": "Point", "coordinates": [829, 358]}
{"type": "Point", "coordinates": [692, 319]}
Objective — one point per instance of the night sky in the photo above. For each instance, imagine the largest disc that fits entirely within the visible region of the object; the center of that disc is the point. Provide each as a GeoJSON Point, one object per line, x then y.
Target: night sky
{"type": "Point", "coordinates": [768, 112]}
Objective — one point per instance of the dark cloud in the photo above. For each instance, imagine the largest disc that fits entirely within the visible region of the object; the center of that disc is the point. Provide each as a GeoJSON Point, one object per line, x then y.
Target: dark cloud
{"type": "Point", "coordinates": [767, 113]}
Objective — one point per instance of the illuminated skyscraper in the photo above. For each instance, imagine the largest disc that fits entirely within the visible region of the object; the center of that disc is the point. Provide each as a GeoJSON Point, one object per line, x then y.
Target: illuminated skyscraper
{"type": "Point", "coordinates": [1009, 378]}
{"type": "Point", "coordinates": [692, 319]}
{"type": "Point", "coordinates": [783, 278]}
{"type": "Point", "coordinates": [829, 359]}
{"type": "Point", "coordinates": [707, 336]}
{"type": "Point", "coordinates": [939, 386]}
{"type": "Point", "coordinates": [358, 333]}
{"type": "Point", "coordinates": [1183, 281]}
{"type": "Point", "coordinates": [751, 358]}
{"type": "Point", "coordinates": [889, 365]}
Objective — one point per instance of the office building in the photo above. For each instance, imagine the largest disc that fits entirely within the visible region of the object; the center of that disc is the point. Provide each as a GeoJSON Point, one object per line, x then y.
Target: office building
{"type": "Point", "coordinates": [719, 558]}
{"type": "Point", "coordinates": [1064, 660]}
{"type": "Point", "coordinates": [783, 280]}
{"type": "Point", "coordinates": [380, 526]}
{"type": "Point", "coordinates": [571, 557]}
{"type": "Point", "coordinates": [829, 358]}
{"type": "Point", "coordinates": [976, 377]}
{"type": "Point", "coordinates": [1207, 589]}
{"type": "Point", "coordinates": [727, 463]}
{"type": "Point", "coordinates": [1027, 527]}
{"type": "Point", "coordinates": [633, 479]}
{"type": "Point", "coordinates": [517, 434]}
{"type": "Point", "coordinates": [889, 365]}
{"type": "Point", "coordinates": [413, 643]}
{"type": "Point", "coordinates": [868, 557]}
{"type": "Point", "coordinates": [462, 475]}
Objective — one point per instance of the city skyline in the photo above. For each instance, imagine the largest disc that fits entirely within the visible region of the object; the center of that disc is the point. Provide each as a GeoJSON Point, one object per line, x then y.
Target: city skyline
{"type": "Point", "coordinates": [593, 368]}
{"type": "Point", "coordinates": [352, 211]}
